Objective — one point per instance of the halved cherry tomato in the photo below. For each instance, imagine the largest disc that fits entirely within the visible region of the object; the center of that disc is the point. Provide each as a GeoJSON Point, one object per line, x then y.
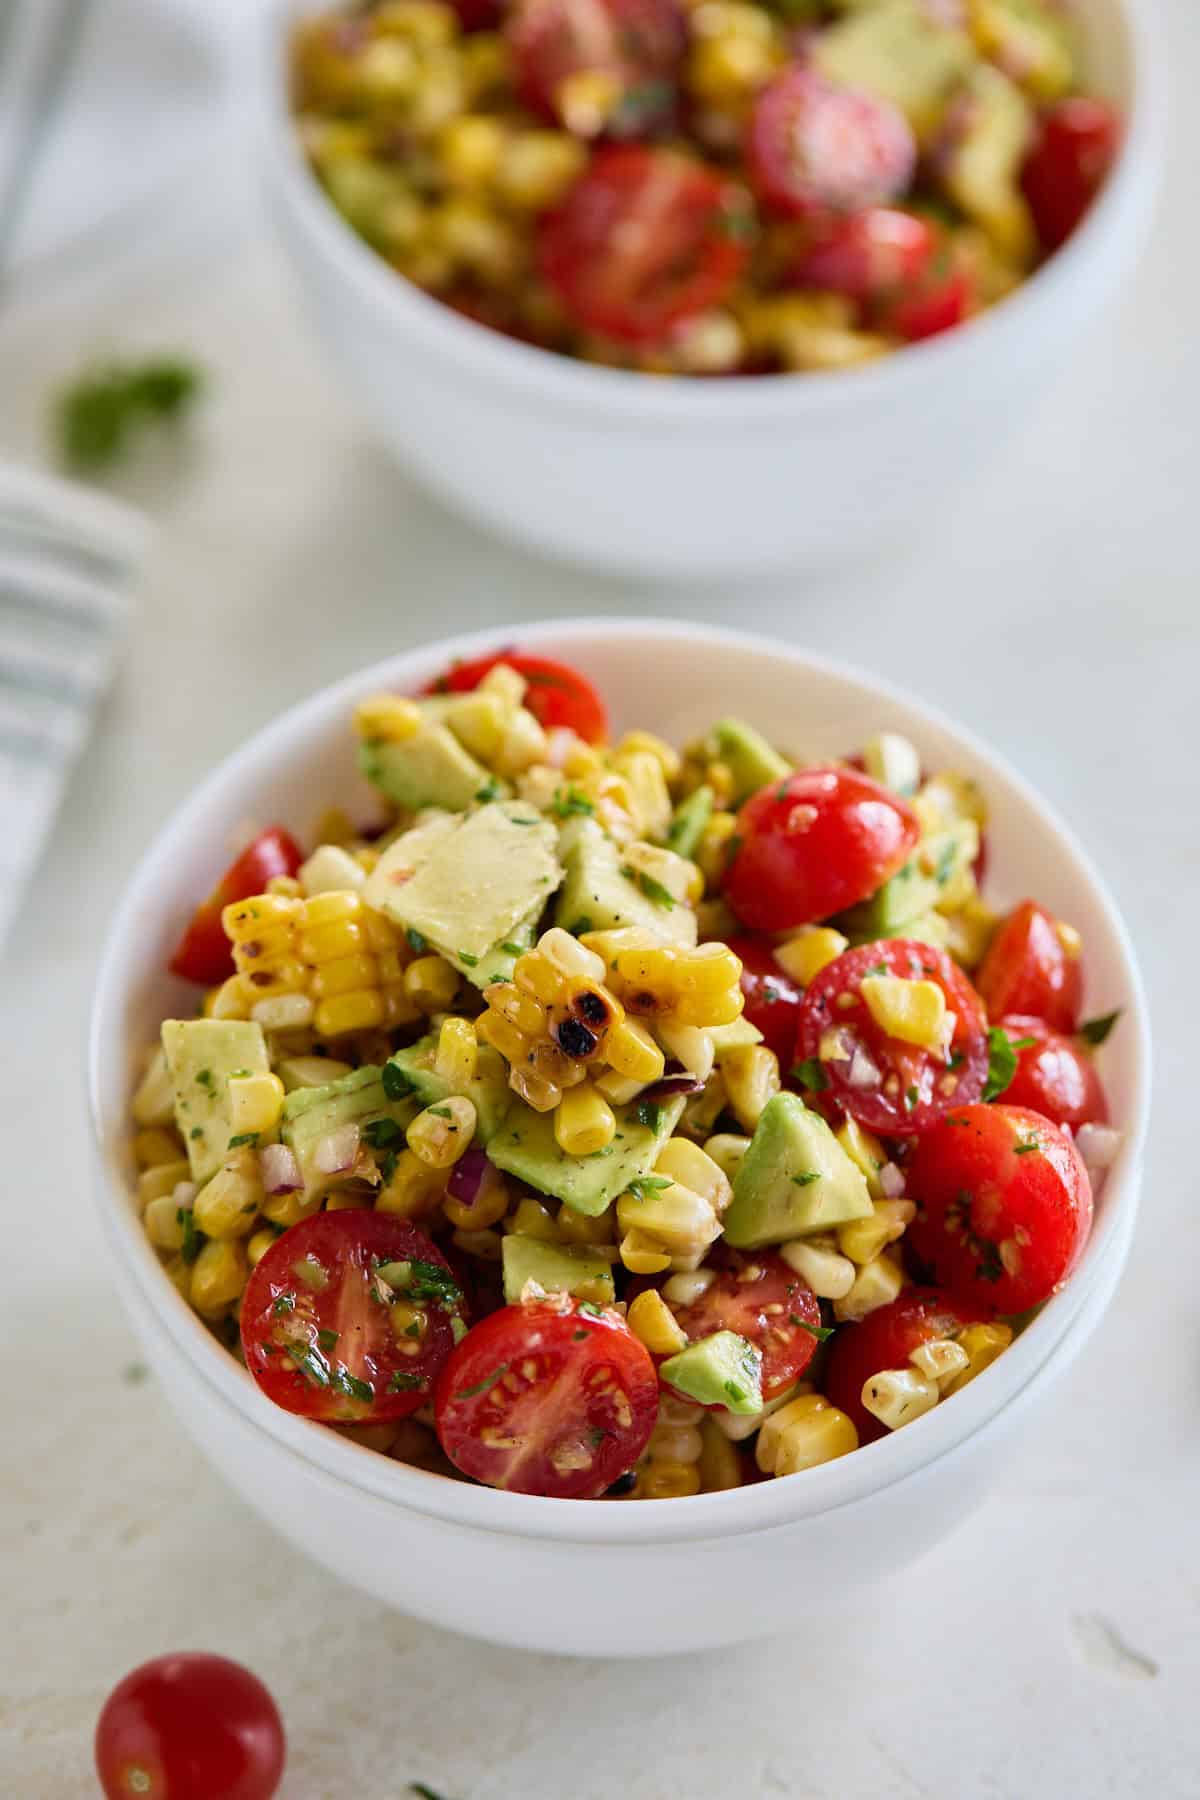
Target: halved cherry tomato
{"type": "Point", "coordinates": [814, 147]}
{"type": "Point", "coordinates": [552, 1397]}
{"type": "Point", "coordinates": [190, 1727]}
{"type": "Point", "coordinates": [557, 696]}
{"type": "Point", "coordinates": [1073, 152]}
{"type": "Point", "coordinates": [886, 1339]}
{"type": "Point", "coordinates": [772, 997]}
{"type": "Point", "coordinates": [204, 952]}
{"type": "Point", "coordinates": [1055, 1075]}
{"type": "Point", "coordinates": [757, 1295]}
{"type": "Point", "coordinates": [634, 46]}
{"type": "Point", "coordinates": [644, 240]}
{"type": "Point", "coordinates": [1028, 969]}
{"type": "Point", "coordinates": [318, 1328]}
{"type": "Point", "coordinates": [886, 1084]}
{"type": "Point", "coordinates": [1004, 1205]}
{"type": "Point", "coordinates": [938, 300]}
{"type": "Point", "coordinates": [813, 844]}
{"type": "Point", "coordinates": [868, 255]}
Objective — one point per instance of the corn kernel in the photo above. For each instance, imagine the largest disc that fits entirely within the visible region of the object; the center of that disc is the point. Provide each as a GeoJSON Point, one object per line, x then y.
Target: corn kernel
{"type": "Point", "coordinates": [442, 1133]}
{"type": "Point", "coordinates": [163, 1222]}
{"type": "Point", "coordinates": [941, 1359]}
{"type": "Point", "coordinates": [227, 1205]}
{"type": "Point", "coordinates": [258, 1245]}
{"type": "Point", "coordinates": [415, 1189]}
{"type": "Point", "coordinates": [1069, 938]}
{"type": "Point", "coordinates": [431, 984]}
{"type": "Point", "coordinates": [668, 1481]}
{"type": "Point", "coordinates": [751, 1076]}
{"type": "Point", "coordinates": [470, 148]}
{"type": "Point", "coordinates": [533, 1218]}
{"type": "Point", "coordinates": [535, 168]}
{"type": "Point", "coordinates": [164, 1178]}
{"type": "Point", "coordinates": [876, 1284]}
{"type": "Point", "coordinates": [812, 949]}
{"type": "Point", "coordinates": [641, 1255]}
{"type": "Point", "coordinates": [863, 1239]}
{"type": "Point", "coordinates": [584, 1122]}
{"type": "Point", "coordinates": [898, 1396]}
{"type": "Point", "coordinates": [457, 1058]}
{"type": "Point", "coordinates": [581, 1228]}
{"type": "Point", "coordinates": [651, 1320]}
{"type": "Point", "coordinates": [618, 1090]}
{"type": "Point", "coordinates": [255, 1104]}
{"type": "Point", "coordinates": [803, 1434]}
{"type": "Point", "coordinates": [865, 1152]}
{"type": "Point", "coordinates": [485, 1210]}
{"type": "Point", "coordinates": [154, 1099]}
{"type": "Point", "coordinates": [817, 1260]}
{"type": "Point", "coordinates": [631, 1052]}
{"type": "Point", "coordinates": [728, 1151]}
{"type": "Point", "coordinates": [719, 1464]}
{"type": "Point", "coordinates": [713, 850]}
{"type": "Point", "coordinates": [219, 1275]}
{"type": "Point", "coordinates": [913, 1011]}
{"type": "Point", "coordinates": [686, 1288]}
{"type": "Point", "coordinates": [692, 1048]}
{"type": "Point", "coordinates": [155, 1146]}
{"type": "Point", "coordinates": [388, 718]}
{"type": "Point", "coordinates": [982, 1344]}
{"type": "Point", "coordinates": [283, 1012]}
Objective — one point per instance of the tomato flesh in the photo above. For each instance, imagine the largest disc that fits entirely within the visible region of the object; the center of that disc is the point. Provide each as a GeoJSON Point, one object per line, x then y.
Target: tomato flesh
{"type": "Point", "coordinates": [549, 1397]}
{"type": "Point", "coordinates": [936, 301]}
{"type": "Point", "coordinates": [763, 1300]}
{"type": "Point", "coordinates": [1070, 159]}
{"type": "Point", "coordinates": [644, 240]}
{"type": "Point", "coordinates": [190, 1727]}
{"type": "Point", "coordinates": [867, 255]}
{"type": "Point", "coordinates": [772, 997]}
{"type": "Point", "coordinates": [1055, 1075]}
{"type": "Point", "coordinates": [1027, 970]}
{"type": "Point", "coordinates": [814, 844]}
{"type": "Point", "coordinates": [637, 45]}
{"type": "Point", "coordinates": [203, 953]}
{"type": "Point", "coordinates": [317, 1318]}
{"type": "Point", "coordinates": [886, 1339]}
{"type": "Point", "coordinates": [816, 147]}
{"type": "Point", "coordinates": [1004, 1205]}
{"type": "Point", "coordinates": [558, 696]}
{"type": "Point", "coordinates": [885, 1083]}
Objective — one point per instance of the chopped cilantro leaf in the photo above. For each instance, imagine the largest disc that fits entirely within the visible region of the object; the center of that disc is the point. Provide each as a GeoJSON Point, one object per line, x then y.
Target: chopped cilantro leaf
{"type": "Point", "coordinates": [346, 1383]}
{"type": "Point", "coordinates": [401, 1382]}
{"type": "Point", "coordinates": [243, 1138]}
{"type": "Point", "coordinates": [911, 1096]}
{"type": "Point", "coordinates": [197, 1131]}
{"type": "Point", "coordinates": [806, 1176]}
{"type": "Point", "coordinates": [464, 956]}
{"type": "Point", "coordinates": [307, 1362]}
{"type": "Point", "coordinates": [591, 1309]}
{"type": "Point", "coordinates": [642, 1185]}
{"type": "Point", "coordinates": [1002, 1062]}
{"type": "Point", "coordinates": [820, 1332]}
{"type": "Point", "coordinates": [381, 1133]}
{"type": "Point", "coordinates": [568, 802]}
{"type": "Point", "coordinates": [811, 1075]}
{"type": "Point", "coordinates": [489, 791]}
{"type": "Point", "coordinates": [481, 1387]}
{"type": "Point", "coordinates": [1025, 1146]}
{"type": "Point", "coordinates": [205, 1080]}
{"type": "Point", "coordinates": [580, 925]}
{"type": "Point", "coordinates": [653, 890]}
{"type": "Point", "coordinates": [396, 1084]}
{"type": "Point", "coordinates": [440, 1112]}
{"type": "Point", "coordinates": [1094, 1031]}
{"type": "Point", "coordinates": [513, 948]}
{"type": "Point", "coordinates": [284, 1303]}
{"type": "Point", "coordinates": [649, 1114]}
{"type": "Point", "coordinates": [327, 1339]}
{"type": "Point", "coordinates": [417, 941]}
{"type": "Point", "coordinates": [735, 1392]}
{"type": "Point", "coordinates": [192, 1239]}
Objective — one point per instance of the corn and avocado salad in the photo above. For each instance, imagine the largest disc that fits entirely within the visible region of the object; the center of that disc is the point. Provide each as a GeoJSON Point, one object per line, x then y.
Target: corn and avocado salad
{"type": "Point", "coordinates": [706, 187]}
{"type": "Point", "coordinates": [599, 1118]}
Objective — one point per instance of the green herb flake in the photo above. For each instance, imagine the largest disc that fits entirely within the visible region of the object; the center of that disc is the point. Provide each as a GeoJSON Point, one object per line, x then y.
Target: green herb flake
{"type": "Point", "coordinates": [810, 1074]}
{"type": "Point", "coordinates": [440, 1112]}
{"type": "Point", "coordinates": [513, 949]}
{"type": "Point", "coordinates": [569, 803]}
{"type": "Point", "coordinates": [820, 1332]}
{"type": "Point", "coordinates": [591, 1309]}
{"type": "Point", "coordinates": [426, 1793]}
{"type": "Point", "coordinates": [481, 1387]}
{"type": "Point", "coordinates": [581, 925]}
{"type": "Point", "coordinates": [243, 1138]}
{"type": "Point", "coordinates": [417, 941]}
{"type": "Point", "coordinates": [327, 1339]}
{"type": "Point", "coordinates": [491, 790]}
{"type": "Point", "coordinates": [642, 1185]}
{"type": "Point", "coordinates": [401, 1382]}
{"type": "Point", "coordinates": [381, 1134]}
{"type": "Point", "coordinates": [206, 1080]}
{"type": "Point", "coordinates": [646, 884]}
{"type": "Point", "coordinates": [1002, 1062]}
{"type": "Point", "coordinates": [99, 415]}
{"type": "Point", "coordinates": [197, 1131]}
{"type": "Point", "coordinates": [1025, 1146]}
{"type": "Point", "coordinates": [307, 1362]}
{"type": "Point", "coordinates": [650, 1114]}
{"type": "Point", "coordinates": [192, 1239]}
{"type": "Point", "coordinates": [396, 1084]}
{"type": "Point", "coordinates": [911, 1098]}
{"type": "Point", "coordinates": [1094, 1031]}
{"type": "Point", "coordinates": [806, 1176]}
{"type": "Point", "coordinates": [735, 1392]}
{"type": "Point", "coordinates": [464, 956]}
{"type": "Point", "coordinates": [284, 1303]}
{"type": "Point", "coordinates": [350, 1385]}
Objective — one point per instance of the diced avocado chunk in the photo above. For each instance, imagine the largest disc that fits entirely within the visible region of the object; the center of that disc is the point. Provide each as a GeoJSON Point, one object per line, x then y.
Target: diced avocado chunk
{"type": "Point", "coordinates": [559, 1268]}
{"type": "Point", "coordinates": [467, 884]}
{"type": "Point", "coordinates": [980, 166]}
{"type": "Point", "coordinates": [527, 1148]}
{"type": "Point", "coordinates": [751, 761]}
{"type": "Point", "coordinates": [360, 1098]}
{"type": "Point", "coordinates": [721, 1370]}
{"type": "Point", "coordinates": [488, 1090]}
{"type": "Point", "coordinates": [499, 962]}
{"type": "Point", "coordinates": [690, 821]}
{"type": "Point", "coordinates": [739, 1034]}
{"type": "Point", "coordinates": [932, 876]}
{"type": "Point", "coordinates": [893, 761]}
{"type": "Point", "coordinates": [1037, 43]}
{"type": "Point", "coordinates": [795, 1178]}
{"type": "Point", "coordinates": [596, 896]}
{"type": "Point", "coordinates": [430, 768]}
{"type": "Point", "coordinates": [899, 51]}
{"type": "Point", "coordinates": [201, 1056]}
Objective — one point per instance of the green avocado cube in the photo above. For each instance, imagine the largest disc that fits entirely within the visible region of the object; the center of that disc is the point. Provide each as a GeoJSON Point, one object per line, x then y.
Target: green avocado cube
{"type": "Point", "coordinates": [598, 896]}
{"type": "Point", "coordinates": [795, 1178]}
{"type": "Point", "coordinates": [526, 1147]}
{"type": "Point", "coordinates": [431, 768]}
{"type": "Point", "coordinates": [690, 821]}
{"type": "Point", "coordinates": [488, 1090]}
{"type": "Point", "coordinates": [721, 1370]}
{"type": "Point", "coordinates": [201, 1056]}
{"type": "Point", "coordinates": [750, 759]}
{"type": "Point", "coordinates": [559, 1268]}
{"type": "Point", "coordinates": [310, 1114]}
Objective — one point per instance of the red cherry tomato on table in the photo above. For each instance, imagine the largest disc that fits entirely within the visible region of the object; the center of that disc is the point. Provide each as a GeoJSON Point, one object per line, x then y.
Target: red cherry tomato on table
{"type": "Point", "coordinates": [886, 1339]}
{"type": "Point", "coordinates": [763, 1300]}
{"type": "Point", "coordinates": [814, 147]}
{"type": "Point", "coordinates": [637, 45]}
{"type": "Point", "coordinates": [885, 1083]}
{"type": "Point", "coordinates": [1004, 1205]}
{"type": "Point", "coordinates": [548, 1397]}
{"type": "Point", "coordinates": [317, 1327]}
{"type": "Point", "coordinates": [813, 844]}
{"type": "Point", "coordinates": [557, 696]}
{"type": "Point", "coordinates": [1073, 152]}
{"type": "Point", "coordinates": [644, 240]}
{"type": "Point", "coordinates": [772, 997]}
{"type": "Point", "coordinates": [1055, 1075]}
{"type": "Point", "coordinates": [204, 952]}
{"type": "Point", "coordinates": [190, 1727]}
{"type": "Point", "coordinates": [867, 255]}
{"type": "Point", "coordinates": [1028, 969]}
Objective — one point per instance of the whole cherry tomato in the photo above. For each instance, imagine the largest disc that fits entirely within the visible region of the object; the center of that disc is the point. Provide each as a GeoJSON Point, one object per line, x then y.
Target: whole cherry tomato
{"type": "Point", "coordinates": [203, 953]}
{"type": "Point", "coordinates": [1055, 1075]}
{"type": "Point", "coordinates": [1030, 969]}
{"type": "Point", "coordinates": [886, 1339]}
{"type": "Point", "coordinates": [190, 1727]}
{"type": "Point", "coordinates": [558, 696]}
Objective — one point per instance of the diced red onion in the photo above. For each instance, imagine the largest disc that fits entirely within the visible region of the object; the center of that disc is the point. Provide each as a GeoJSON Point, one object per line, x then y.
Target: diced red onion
{"type": "Point", "coordinates": [279, 1169]}
{"type": "Point", "coordinates": [469, 1175]}
{"type": "Point", "coordinates": [184, 1193]}
{"type": "Point", "coordinates": [864, 1071]}
{"type": "Point", "coordinates": [1098, 1146]}
{"type": "Point", "coordinates": [337, 1151]}
{"type": "Point", "coordinates": [891, 1180]}
{"type": "Point", "coordinates": [671, 1085]}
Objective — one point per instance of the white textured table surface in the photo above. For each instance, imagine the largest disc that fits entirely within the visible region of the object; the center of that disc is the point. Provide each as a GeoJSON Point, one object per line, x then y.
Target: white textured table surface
{"type": "Point", "coordinates": [1050, 1647]}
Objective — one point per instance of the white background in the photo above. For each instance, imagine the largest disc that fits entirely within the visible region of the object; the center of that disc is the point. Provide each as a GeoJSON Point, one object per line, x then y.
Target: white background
{"type": "Point", "coordinates": [1050, 1647]}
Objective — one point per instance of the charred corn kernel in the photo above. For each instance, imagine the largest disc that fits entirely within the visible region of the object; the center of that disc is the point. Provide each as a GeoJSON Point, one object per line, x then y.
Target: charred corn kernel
{"type": "Point", "coordinates": [618, 1090]}
{"type": "Point", "coordinates": [667, 758]}
{"type": "Point", "coordinates": [690, 1047]}
{"type": "Point", "coordinates": [686, 1288]}
{"type": "Point", "coordinates": [154, 1099]}
{"type": "Point", "coordinates": [876, 1284]}
{"type": "Point", "coordinates": [913, 1011]}
{"type": "Point", "coordinates": [219, 1275]}
{"type": "Point", "coordinates": [863, 1239]}
{"type": "Point", "coordinates": [311, 1071]}
{"type": "Point", "coordinates": [865, 1152]}
{"type": "Point", "coordinates": [569, 955]}
{"type": "Point", "coordinates": [469, 150]}
{"type": "Point", "coordinates": [812, 949]}
{"type": "Point", "coordinates": [283, 1012]}
{"type": "Point", "coordinates": [803, 1434]}
{"type": "Point", "coordinates": [641, 1255]}
{"type": "Point", "coordinates": [330, 869]}
{"type": "Point", "coordinates": [227, 1205]}
{"type": "Point", "coordinates": [255, 1104]}
{"type": "Point", "coordinates": [578, 1228]}
{"type": "Point", "coordinates": [532, 1218]}
{"type": "Point", "coordinates": [1069, 938]}
{"type": "Point", "coordinates": [415, 1189]}
{"type": "Point", "coordinates": [431, 984]}
{"type": "Point", "coordinates": [163, 1220]}
{"type": "Point", "coordinates": [941, 1359]}
{"type": "Point", "coordinates": [829, 1274]}
{"type": "Point", "coordinates": [164, 1178]}
{"type": "Point", "coordinates": [898, 1396]}
{"type": "Point", "coordinates": [668, 1480]}
{"type": "Point", "coordinates": [485, 1244]}
{"type": "Point", "coordinates": [630, 1051]}
{"type": "Point", "coordinates": [719, 1464]}
{"type": "Point", "coordinates": [156, 1145]}
{"type": "Point", "coordinates": [651, 1320]}
{"type": "Point", "coordinates": [536, 1091]}
{"type": "Point", "coordinates": [728, 1151]}
{"type": "Point", "coordinates": [584, 1122]}
{"type": "Point", "coordinates": [289, 1209]}
{"type": "Point", "coordinates": [457, 1055]}
{"type": "Point", "coordinates": [982, 1344]}
{"type": "Point", "coordinates": [751, 1076]}
{"type": "Point", "coordinates": [535, 168]}
{"type": "Point", "coordinates": [258, 1244]}
{"type": "Point", "coordinates": [441, 1134]}
{"type": "Point", "coordinates": [485, 1210]}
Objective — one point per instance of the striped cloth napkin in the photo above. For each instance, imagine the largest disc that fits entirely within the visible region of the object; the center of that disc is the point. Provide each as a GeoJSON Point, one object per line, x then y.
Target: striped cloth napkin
{"type": "Point", "coordinates": [68, 558]}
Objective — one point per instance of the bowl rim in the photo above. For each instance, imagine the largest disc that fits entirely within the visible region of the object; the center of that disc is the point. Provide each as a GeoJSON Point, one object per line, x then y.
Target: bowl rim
{"type": "Point", "coordinates": [1122, 205]}
{"type": "Point", "coordinates": [761, 1506]}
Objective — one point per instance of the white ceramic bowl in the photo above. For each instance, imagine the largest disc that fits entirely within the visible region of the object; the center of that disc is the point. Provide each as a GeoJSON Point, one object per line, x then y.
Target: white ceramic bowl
{"type": "Point", "coordinates": [594, 1577]}
{"type": "Point", "coordinates": [685, 477]}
